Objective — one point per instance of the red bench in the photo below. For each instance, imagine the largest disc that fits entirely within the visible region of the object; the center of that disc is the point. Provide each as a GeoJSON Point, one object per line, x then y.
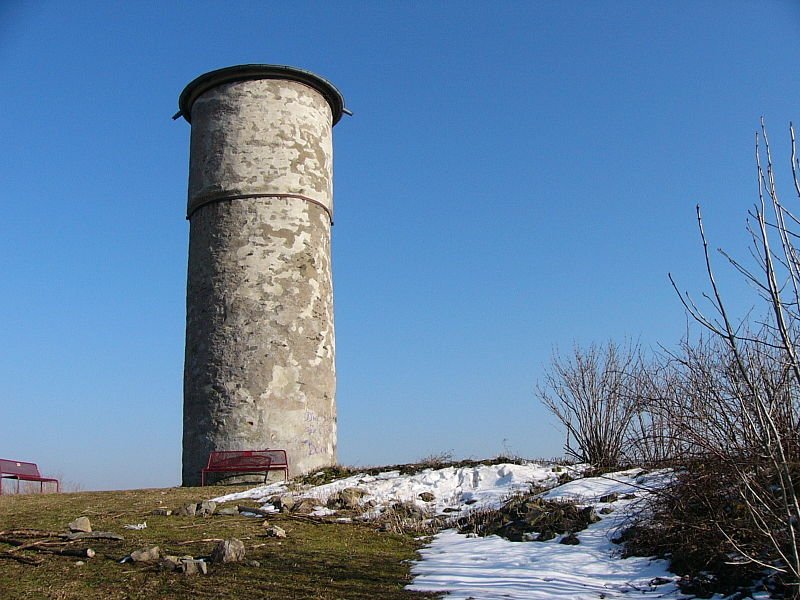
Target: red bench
{"type": "Point", "coordinates": [246, 461]}
{"type": "Point", "coordinates": [22, 471]}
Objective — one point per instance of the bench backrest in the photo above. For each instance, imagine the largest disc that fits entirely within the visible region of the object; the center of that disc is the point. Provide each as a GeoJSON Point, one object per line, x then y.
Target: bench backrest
{"type": "Point", "coordinates": [278, 457]}
{"type": "Point", "coordinates": [239, 458]}
{"type": "Point", "coordinates": [17, 467]}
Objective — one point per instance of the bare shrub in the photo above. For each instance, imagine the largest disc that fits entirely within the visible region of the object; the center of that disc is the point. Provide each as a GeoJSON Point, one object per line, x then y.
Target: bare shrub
{"type": "Point", "coordinates": [736, 403]}
{"type": "Point", "coordinates": [593, 393]}
{"type": "Point", "coordinates": [651, 437]}
{"type": "Point", "coordinates": [437, 460]}
{"type": "Point", "coordinates": [680, 524]}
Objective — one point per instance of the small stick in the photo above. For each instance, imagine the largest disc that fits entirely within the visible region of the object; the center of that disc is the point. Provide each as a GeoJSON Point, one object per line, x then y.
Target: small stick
{"type": "Point", "coordinates": [202, 524]}
{"type": "Point", "coordinates": [23, 559]}
{"type": "Point", "coordinates": [20, 545]}
{"type": "Point", "coordinates": [47, 547]}
{"type": "Point", "coordinates": [31, 533]}
{"type": "Point", "coordinates": [309, 519]}
{"type": "Point", "coordinates": [187, 542]}
{"type": "Point", "coordinates": [78, 552]}
{"type": "Point", "coordinates": [256, 511]}
{"type": "Point", "coordinates": [92, 535]}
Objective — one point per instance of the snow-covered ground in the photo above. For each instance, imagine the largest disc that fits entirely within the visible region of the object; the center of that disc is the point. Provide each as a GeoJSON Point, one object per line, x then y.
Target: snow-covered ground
{"type": "Point", "coordinates": [454, 489]}
{"type": "Point", "coordinates": [494, 568]}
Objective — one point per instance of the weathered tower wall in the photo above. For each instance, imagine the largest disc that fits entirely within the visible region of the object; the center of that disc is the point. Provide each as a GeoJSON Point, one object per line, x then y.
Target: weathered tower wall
{"type": "Point", "coordinates": [259, 370]}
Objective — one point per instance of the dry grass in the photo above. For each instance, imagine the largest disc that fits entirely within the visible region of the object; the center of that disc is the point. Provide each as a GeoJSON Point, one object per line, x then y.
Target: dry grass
{"type": "Point", "coordinates": [316, 560]}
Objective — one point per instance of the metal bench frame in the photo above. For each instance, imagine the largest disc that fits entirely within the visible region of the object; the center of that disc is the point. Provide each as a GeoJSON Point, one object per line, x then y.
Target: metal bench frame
{"type": "Point", "coordinates": [23, 471]}
{"type": "Point", "coordinates": [246, 461]}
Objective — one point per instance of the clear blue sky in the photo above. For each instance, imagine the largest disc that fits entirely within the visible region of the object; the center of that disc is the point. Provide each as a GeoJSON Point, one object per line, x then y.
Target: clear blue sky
{"type": "Point", "coordinates": [517, 176]}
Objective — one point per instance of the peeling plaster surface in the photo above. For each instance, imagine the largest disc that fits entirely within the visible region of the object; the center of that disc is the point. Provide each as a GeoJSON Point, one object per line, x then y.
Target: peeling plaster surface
{"type": "Point", "coordinates": [260, 370]}
{"type": "Point", "coordinates": [261, 137]}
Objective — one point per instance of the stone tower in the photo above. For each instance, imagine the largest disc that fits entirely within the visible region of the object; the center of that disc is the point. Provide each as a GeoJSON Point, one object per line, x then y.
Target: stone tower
{"type": "Point", "coordinates": [259, 370]}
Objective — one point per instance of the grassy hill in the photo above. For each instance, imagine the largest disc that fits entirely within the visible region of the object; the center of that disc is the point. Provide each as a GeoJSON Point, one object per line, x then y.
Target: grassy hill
{"type": "Point", "coordinates": [315, 560]}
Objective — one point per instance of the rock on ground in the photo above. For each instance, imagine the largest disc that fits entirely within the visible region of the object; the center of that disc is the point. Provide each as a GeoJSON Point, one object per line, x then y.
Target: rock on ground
{"type": "Point", "coordinates": [206, 508]}
{"type": "Point", "coordinates": [146, 554]}
{"type": "Point", "coordinates": [187, 510]}
{"type": "Point", "coordinates": [81, 524]}
{"type": "Point", "coordinates": [275, 531]}
{"type": "Point", "coordinates": [228, 551]}
{"type": "Point", "coordinates": [193, 566]}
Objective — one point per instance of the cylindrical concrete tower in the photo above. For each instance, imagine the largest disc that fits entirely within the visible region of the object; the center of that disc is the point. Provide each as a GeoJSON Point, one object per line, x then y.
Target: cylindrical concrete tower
{"type": "Point", "coordinates": [259, 370]}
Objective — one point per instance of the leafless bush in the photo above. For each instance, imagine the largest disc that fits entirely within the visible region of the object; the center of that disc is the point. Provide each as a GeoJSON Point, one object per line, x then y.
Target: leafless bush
{"type": "Point", "coordinates": [437, 460]}
{"type": "Point", "coordinates": [681, 523]}
{"type": "Point", "coordinates": [593, 393]}
{"type": "Point", "coordinates": [738, 400]}
{"type": "Point", "coordinates": [651, 436]}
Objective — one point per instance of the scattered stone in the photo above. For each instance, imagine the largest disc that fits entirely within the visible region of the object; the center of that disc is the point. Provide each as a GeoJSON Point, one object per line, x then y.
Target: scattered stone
{"type": "Point", "coordinates": [187, 510]}
{"type": "Point", "coordinates": [606, 510]}
{"type": "Point", "coordinates": [629, 496]}
{"type": "Point", "coordinates": [612, 497]}
{"type": "Point", "coordinates": [659, 581]}
{"type": "Point", "coordinates": [228, 511]}
{"type": "Point", "coordinates": [348, 499]}
{"type": "Point", "coordinates": [589, 515]}
{"type": "Point", "coordinates": [523, 518]}
{"type": "Point", "coordinates": [193, 566]}
{"type": "Point", "coordinates": [228, 551]}
{"type": "Point", "coordinates": [334, 501]}
{"type": "Point", "coordinates": [284, 503]}
{"type": "Point", "coordinates": [351, 497]}
{"type": "Point", "coordinates": [171, 563]}
{"type": "Point", "coordinates": [451, 509]}
{"type": "Point", "coordinates": [80, 525]}
{"type": "Point", "coordinates": [206, 508]}
{"type": "Point", "coordinates": [570, 540]}
{"type": "Point", "coordinates": [252, 563]}
{"type": "Point", "coordinates": [146, 554]}
{"type": "Point", "coordinates": [305, 506]}
{"type": "Point", "coordinates": [79, 563]}
{"type": "Point", "coordinates": [161, 512]}
{"type": "Point", "coordinates": [426, 497]}
{"type": "Point", "coordinates": [275, 531]}
{"type": "Point", "coordinates": [564, 478]}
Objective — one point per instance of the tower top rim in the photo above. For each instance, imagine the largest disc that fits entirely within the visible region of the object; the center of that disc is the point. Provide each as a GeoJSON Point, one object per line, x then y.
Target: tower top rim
{"type": "Point", "coordinates": [247, 72]}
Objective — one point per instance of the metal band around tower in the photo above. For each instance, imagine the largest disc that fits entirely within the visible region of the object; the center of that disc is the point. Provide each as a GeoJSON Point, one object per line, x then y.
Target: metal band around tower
{"type": "Point", "coordinates": [200, 202]}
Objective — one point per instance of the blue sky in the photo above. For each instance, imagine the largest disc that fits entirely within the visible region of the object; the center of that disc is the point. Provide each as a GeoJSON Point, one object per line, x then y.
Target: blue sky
{"type": "Point", "coordinates": [517, 176]}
